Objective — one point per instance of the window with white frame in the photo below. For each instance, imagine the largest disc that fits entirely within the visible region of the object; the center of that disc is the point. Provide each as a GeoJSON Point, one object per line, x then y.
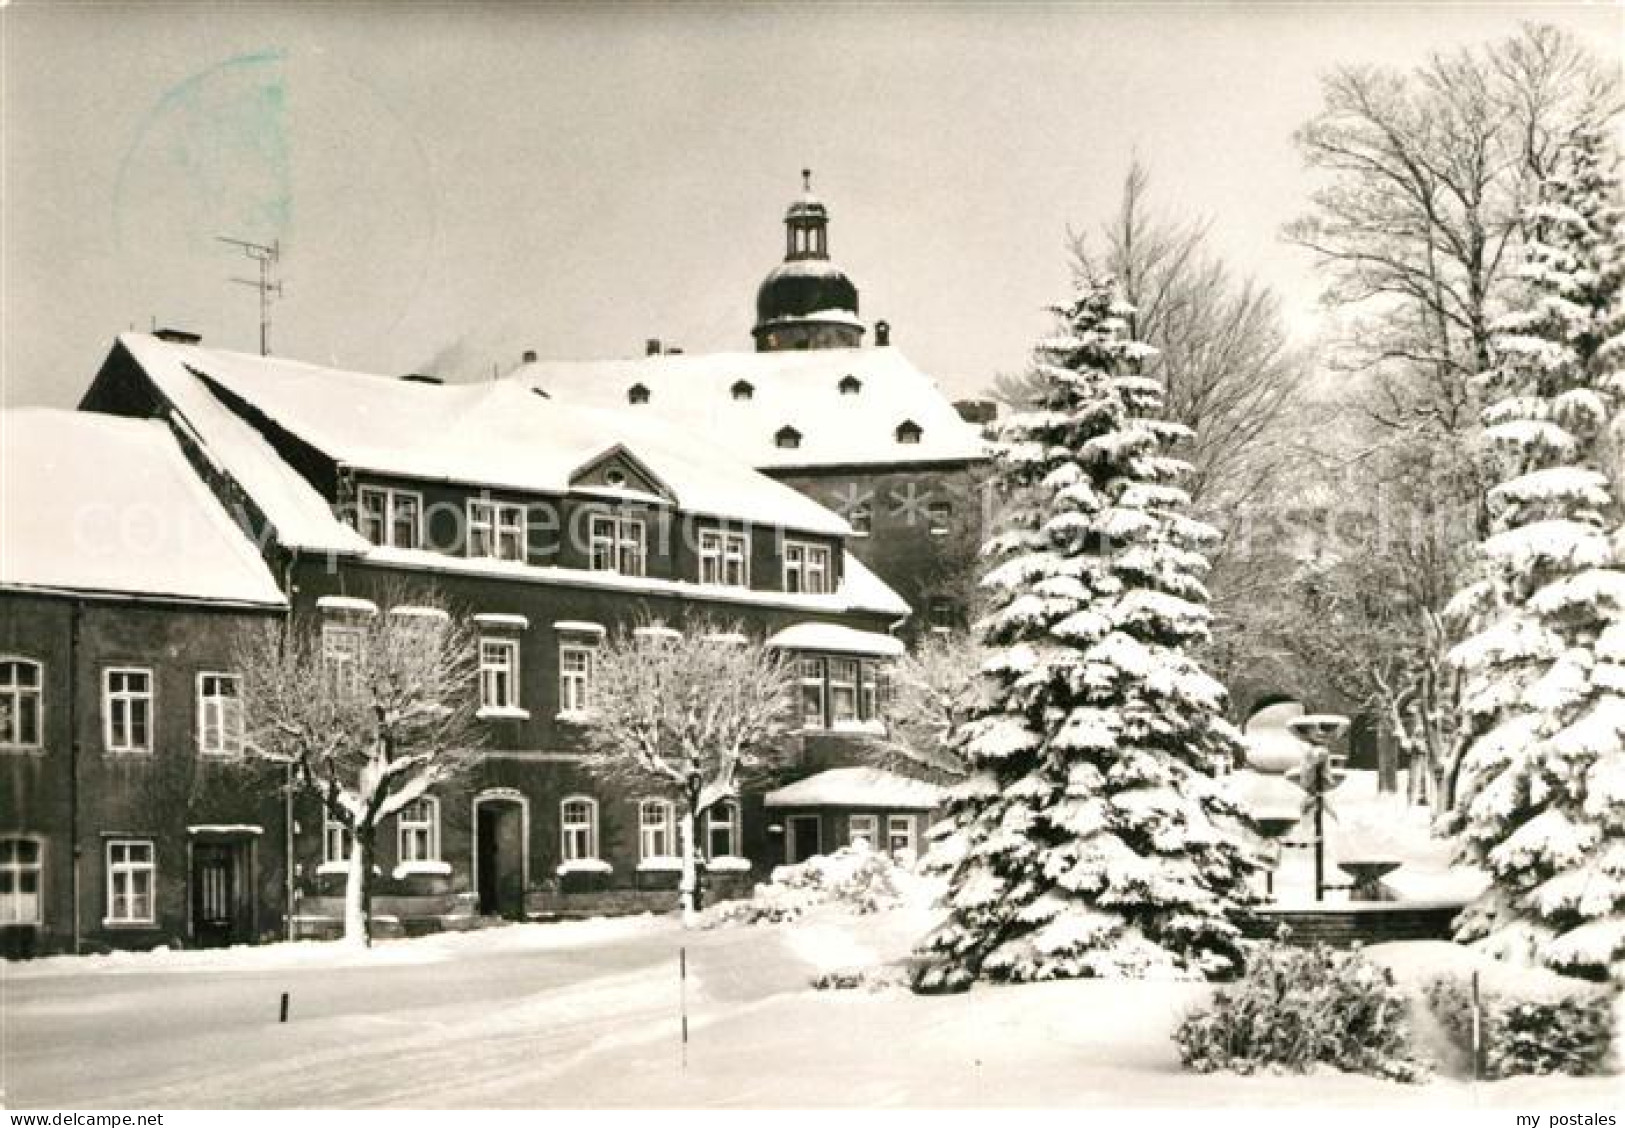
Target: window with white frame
{"type": "Point", "coordinates": [390, 517]}
{"type": "Point", "coordinates": [418, 827]}
{"type": "Point", "coordinates": [131, 879]}
{"type": "Point", "coordinates": [724, 558]}
{"type": "Point", "coordinates": [337, 841]}
{"type": "Point", "coordinates": [900, 834]}
{"type": "Point", "coordinates": [21, 703]}
{"type": "Point", "coordinates": [220, 714]}
{"type": "Point", "coordinates": [862, 518]}
{"type": "Point", "coordinates": [496, 529]}
{"type": "Point", "coordinates": [341, 656]}
{"type": "Point", "coordinates": [618, 544]}
{"type": "Point", "coordinates": [812, 692]}
{"type": "Point", "coordinates": [657, 829]}
{"type": "Point", "coordinates": [868, 691]}
{"type": "Point", "coordinates": [863, 828]}
{"type": "Point", "coordinates": [127, 709]}
{"type": "Point", "coordinates": [20, 873]}
{"type": "Point", "coordinates": [939, 515]}
{"type": "Point", "coordinates": [843, 690]}
{"type": "Point", "coordinates": [499, 673]}
{"type": "Point", "coordinates": [722, 830]}
{"type": "Point", "coordinates": [575, 678]}
{"type": "Point", "coordinates": [578, 829]}
{"type": "Point", "coordinates": [806, 568]}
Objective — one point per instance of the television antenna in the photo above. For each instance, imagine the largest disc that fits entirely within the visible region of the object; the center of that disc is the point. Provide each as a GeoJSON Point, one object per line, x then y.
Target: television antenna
{"type": "Point", "coordinates": [266, 257]}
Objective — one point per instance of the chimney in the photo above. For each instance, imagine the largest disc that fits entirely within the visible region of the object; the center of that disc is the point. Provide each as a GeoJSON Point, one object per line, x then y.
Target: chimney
{"type": "Point", "coordinates": [882, 334]}
{"type": "Point", "coordinates": [651, 347]}
{"type": "Point", "coordinates": [528, 357]}
{"type": "Point", "coordinates": [980, 412]}
{"type": "Point", "coordinates": [421, 378]}
{"type": "Point", "coordinates": [178, 336]}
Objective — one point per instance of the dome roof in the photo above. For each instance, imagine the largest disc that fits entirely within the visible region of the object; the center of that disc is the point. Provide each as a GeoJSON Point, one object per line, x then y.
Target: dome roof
{"type": "Point", "coordinates": [803, 286]}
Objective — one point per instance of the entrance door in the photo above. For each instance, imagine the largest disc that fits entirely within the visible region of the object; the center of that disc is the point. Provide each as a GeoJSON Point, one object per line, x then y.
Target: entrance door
{"type": "Point", "coordinates": [499, 838]}
{"type": "Point", "coordinates": [217, 886]}
{"type": "Point", "coordinates": [805, 838]}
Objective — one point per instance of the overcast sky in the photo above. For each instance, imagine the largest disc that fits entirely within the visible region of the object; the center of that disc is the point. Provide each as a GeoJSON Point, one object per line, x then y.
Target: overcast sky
{"type": "Point", "coordinates": [450, 187]}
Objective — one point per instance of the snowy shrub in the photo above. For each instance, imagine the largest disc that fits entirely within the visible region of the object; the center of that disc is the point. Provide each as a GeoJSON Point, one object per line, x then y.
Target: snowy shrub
{"type": "Point", "coordinates": [872, 979]}
{"type": "Point", "coordinates": [1297, 1008]}
{"type": "Point", "coordinates": [856, 877]}
{"type": "Point", "coordinates": [1527, 1029]}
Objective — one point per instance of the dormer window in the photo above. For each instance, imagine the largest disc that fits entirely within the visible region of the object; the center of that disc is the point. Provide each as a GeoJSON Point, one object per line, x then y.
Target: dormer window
{"type": "Point", "coordinates": [637, 393]}
{"type": "Point", "coordinates": [615, 476]}
{"type": "Point", "coordinates": [850, 385]}
{"type": "Point", "coordinates": [788, 438]}
{"type": "Point", "coordinates": [909, 432]}
{"type": "Point", "coordinates": [743, 390]}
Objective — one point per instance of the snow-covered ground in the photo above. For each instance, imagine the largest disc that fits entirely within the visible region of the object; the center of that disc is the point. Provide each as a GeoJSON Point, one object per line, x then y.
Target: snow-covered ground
{"type": "Point", "coordinates": [587, 1015]}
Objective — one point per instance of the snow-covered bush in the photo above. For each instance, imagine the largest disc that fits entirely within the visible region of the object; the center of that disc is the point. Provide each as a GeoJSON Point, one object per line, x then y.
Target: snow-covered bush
{"type": "Point", "coordinates": [1526, 1030]}
{"type": "Point", "coordinates": [871, 979]}
{"type": "Point", "coordinates": [1296, 1008]}
{"type": "Point", "coordinates": [861, 879]}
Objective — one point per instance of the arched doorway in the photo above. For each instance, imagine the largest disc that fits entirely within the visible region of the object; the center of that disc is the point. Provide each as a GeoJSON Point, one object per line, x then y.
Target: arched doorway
{"type": "Point", "coordinates": [501, 852]}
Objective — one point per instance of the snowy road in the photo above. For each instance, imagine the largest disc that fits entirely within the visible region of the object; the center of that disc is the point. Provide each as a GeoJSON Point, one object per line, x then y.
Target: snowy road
{"type": "Point", "coordinates": [585, 1015]}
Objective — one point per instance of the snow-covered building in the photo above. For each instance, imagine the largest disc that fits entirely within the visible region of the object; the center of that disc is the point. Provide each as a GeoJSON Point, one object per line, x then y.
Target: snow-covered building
{"type": "Point", "coordinates": [860, 430]}
{"type": "Point", "coordinates": [552, 523]}
{"type": "Point", "coordinates": [124, 815]}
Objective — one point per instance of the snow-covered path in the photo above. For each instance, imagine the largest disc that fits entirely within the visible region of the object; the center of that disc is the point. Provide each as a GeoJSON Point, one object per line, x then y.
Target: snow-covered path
{"type": "Point", "coordinates": [585, 1015]}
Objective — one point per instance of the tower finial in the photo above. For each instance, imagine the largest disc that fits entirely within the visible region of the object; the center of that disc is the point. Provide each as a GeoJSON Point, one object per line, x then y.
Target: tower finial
{"type": "Point", "coordinates": [806, 180]}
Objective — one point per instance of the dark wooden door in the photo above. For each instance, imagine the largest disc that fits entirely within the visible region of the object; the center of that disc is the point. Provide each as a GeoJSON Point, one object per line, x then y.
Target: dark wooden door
{"type": "Point", "coordinates": [805, 837]}
{"type": "Point", "coordinates": [499, 838]}
{"type": "Point", "coordinates": [215, 894]}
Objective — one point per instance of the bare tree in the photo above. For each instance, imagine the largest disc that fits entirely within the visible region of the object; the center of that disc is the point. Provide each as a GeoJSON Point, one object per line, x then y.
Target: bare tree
{"type": "Point", "coordinates": [932, 687]}
{"type": "Point", "coordinates": [371, 712]}
{"type": "Point", "coordinates": [688, 713]}
{"type": "Point", "coordinates": [1419, 215]}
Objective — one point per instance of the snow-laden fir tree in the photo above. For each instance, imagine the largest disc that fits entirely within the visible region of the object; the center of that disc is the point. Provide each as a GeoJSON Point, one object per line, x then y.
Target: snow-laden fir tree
{"type": "Point", "coordinates": [1092, 836]}
{"type": "Point", "coordinates": [1540, 799]}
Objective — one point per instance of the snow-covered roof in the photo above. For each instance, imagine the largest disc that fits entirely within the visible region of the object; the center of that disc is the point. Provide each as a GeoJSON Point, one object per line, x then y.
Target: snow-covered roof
{"type": "Point", "coordinates": [798, 388]}
{"type": "Point", "coordinates": [836, 638]}
{"type": "Point", "coordinates": [302, 517]}
{"type": "Point", "coordinates": [97, 504]}
{"type": "Point", "coordinates": [495, 434]}
{"type": "Point", "coordinates": [858, 787]}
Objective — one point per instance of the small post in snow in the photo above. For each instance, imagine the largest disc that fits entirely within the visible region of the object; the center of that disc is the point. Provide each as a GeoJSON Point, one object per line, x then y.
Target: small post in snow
{"type": "Point", "coordinates": [1478, 1033]}
{"type": "Point", "coordinates": [682, 997]}
{"type": "Point", "coordinates": [284, 1017]}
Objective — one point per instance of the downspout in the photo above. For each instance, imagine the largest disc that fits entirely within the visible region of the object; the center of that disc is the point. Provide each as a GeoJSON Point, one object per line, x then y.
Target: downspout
{"type": "Point", "coordinates": [289, 890]}
{"type": "Point", "coordinates": [75, 614]}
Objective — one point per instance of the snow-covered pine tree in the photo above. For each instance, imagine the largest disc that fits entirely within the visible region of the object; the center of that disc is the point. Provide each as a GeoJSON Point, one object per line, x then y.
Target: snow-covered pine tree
{"type": "Point", "coordinates": [1540, 799]}
{"type": "Point", "coordinates": [1092, 837]}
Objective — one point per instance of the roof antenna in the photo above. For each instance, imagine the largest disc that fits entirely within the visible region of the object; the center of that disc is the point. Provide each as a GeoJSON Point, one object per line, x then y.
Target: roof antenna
{"type": "Point", "coordinates": [806, 180]}
{"type": "Point", "coordinates": [266, 257]}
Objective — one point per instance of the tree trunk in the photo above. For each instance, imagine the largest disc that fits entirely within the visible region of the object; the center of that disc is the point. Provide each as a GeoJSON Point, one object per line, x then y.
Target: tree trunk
{"type": "Point", "coordinates": [358, 891]}
{"type": "Point", "coordinates": [688, 887]}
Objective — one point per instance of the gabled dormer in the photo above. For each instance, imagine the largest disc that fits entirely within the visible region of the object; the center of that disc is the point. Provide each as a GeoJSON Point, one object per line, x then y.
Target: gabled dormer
{"type": "Point", "coordinates": [637, 394]}
{"type": "Point", "coordinates": [787, 438]}
{"type": "Point", "coordinates": [850, 385]}
{"type": "Point", "coordinates": [909, 432]}
{"type": "Point", "coordinates": [619, 471]}
{"type": "Point", "coordinates": [742, 390]}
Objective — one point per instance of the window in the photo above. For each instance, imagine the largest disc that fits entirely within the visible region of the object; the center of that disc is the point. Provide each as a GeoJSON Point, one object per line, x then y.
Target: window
{"type": "Point", "coordinates": [908, 432]}
{"type": "Point", "coordinates": [787, 438]}
{"type": "Point", "coordinates": [341, 655]}
{"type": "Point", "coordinates": [20, 703]}
{"type": "Point", "coordinates": [618, 544]}
{"type": "Point", "coordinates": [418, 826]}
{"type": "Point", "coordinates": [220, 714]}
{"type": "Point", "coordinates": [130, 873]}
{"type": "Point", "coordinates": [127, 710]}
{"type": "Point", "coordinates": [19, 881]}
{"type": "Point", "coordinates": [391, 517]}
{"type": "Point", "coordinates": [843, 690]}
{"type": "Point", "coordinates": [722, 830]}
{"type": "Point", "coordinates": [900, 834]}
{"type": "Point", "coordinates": [637, 393]}
{"type": "Point", "coordinates": [812, 692]}
{"type": "Point", "coordinates": [578, 829]}
{"type": "Point", "coordinates": [863, 828]}
{"type": "Point", "coordinates": [742, 390]}
{"type": "Point", "coordinates": [806, 568]}
{"type": "Point", "coordinates": [499, 673]}
{"type": "Point", "coordinates": [862, 518]}
{"type": "Point", "coordinates": [850, 385]}
{"type": "Point", "coordinates": [496, 529]}
{"type": "Point", "coordinates": [657, 829]}
{"type": "Point", "coordinates": [336, 841]}
{"type": "Point", "coordinates": [575, 678]}
{"type": "Point", "coordinates": [942, 615]}
{"type": "Point", "coordinates": [938, 514]}
{"type": "Point", "coordinates": [868, 691]}
{"type": "Point", "coordinates": [724, 558]}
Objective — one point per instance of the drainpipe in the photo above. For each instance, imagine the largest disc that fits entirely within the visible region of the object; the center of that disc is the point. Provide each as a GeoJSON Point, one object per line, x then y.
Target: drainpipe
{"type": "Point", "coordinates": [75, 614]}
{"type": "Point", "coordinates": [289, 891]}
